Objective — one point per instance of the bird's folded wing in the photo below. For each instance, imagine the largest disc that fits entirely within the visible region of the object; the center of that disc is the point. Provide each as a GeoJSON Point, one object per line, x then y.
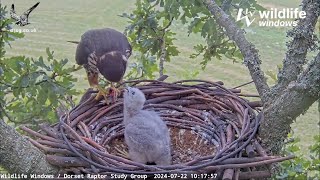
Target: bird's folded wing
{"type": "Point", "coordinates": [160, 123]}
{"type": "Point", "coordinates": [142, 136]}
{"type": "Point", "coordinates": [83, 51]}
{"type": "Point", "coordinates": [107, 40]}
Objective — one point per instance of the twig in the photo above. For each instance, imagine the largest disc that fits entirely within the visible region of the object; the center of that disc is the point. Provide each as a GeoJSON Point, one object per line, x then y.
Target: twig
{"type": "Point", "coordinates": [229, 122]}
{"type": "Point", "coordinates": [243, 85]}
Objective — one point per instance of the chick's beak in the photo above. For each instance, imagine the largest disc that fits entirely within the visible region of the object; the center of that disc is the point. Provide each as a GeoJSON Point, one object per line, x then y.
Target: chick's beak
{"type": "Point", "coordinates": [126, 90]}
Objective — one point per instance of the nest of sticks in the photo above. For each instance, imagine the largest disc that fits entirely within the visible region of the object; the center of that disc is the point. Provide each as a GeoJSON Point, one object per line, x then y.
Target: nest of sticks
{"type": "Point", "coordinates": [213, 132]}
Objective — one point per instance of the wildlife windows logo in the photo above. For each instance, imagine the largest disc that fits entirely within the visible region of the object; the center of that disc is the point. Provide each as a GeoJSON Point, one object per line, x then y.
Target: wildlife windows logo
{"type": "Point", "coordinates": [273, 17]}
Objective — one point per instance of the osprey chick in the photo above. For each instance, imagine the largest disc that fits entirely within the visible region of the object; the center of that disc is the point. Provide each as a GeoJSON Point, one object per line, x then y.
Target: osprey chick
{"type": "Point", "coordinates": [146, 134]}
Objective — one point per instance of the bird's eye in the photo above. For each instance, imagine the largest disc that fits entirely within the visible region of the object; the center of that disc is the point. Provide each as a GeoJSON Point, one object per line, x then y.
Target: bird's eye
{"type": "Point", "coordinates": [133, 93]}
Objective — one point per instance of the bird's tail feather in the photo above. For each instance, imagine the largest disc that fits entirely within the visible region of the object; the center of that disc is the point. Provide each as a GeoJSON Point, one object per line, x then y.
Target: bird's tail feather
{"type": "Point", "coordinates": [74, 42]}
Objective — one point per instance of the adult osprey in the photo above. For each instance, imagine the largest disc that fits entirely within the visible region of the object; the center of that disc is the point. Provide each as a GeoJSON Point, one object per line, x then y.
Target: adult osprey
{"type": "Point", "coordinates": [105, 51]}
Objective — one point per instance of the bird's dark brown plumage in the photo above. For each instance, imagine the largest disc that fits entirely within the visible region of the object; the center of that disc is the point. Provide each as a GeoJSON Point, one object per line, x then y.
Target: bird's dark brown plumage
{"type": "Point", "coordinates": [102, 50]}
{"type": "Point", "coordinates": [101, 41]}
{"type": "Point", "coordinates": [110, 66]}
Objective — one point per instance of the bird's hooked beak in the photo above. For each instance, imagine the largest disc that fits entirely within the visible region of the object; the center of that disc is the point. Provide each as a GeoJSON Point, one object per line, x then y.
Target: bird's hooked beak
{"type": "Point", "coordinates": [124, 58]}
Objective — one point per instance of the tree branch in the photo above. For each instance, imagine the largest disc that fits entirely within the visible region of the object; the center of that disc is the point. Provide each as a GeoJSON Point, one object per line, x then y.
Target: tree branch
{"type": "Point", "coordinates": [309, 81]}
{"type": "Point", "coordinates": [162, 56]}
{"type": "Point", "coordinates": [18, 155]}
{"type": "Point", "coordinates": [226, 5]}
{"type": "Point", "coordinates": [294, 100]}
{"type": "Point", "coordinates": [250, 53]}
{"type": "Point", "coordinates": [163, 51]}
{"type": "Point", "coordinates": [5, 114]}
{"type": "Point", "coordinates": [17, 87]}
{"type": "Point", "coordinates": [303, 40]}
{"type": "Point", "coordinates": [167, 26]}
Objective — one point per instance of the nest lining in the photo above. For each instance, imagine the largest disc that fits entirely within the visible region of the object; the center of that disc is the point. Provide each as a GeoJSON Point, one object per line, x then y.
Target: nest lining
{"type": "Point", "coordinates": [186, 145]}
{"type": "Point", "coordinates": [88, 138]}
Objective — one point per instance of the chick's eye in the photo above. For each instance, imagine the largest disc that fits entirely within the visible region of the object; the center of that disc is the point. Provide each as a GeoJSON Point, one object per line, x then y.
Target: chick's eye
{"type": "Point", "coordinates": [133, 93]}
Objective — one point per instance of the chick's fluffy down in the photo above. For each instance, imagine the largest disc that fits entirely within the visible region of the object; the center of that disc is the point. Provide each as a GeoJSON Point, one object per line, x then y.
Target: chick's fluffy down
{"type": "Point", "coordinates": [147, 136]}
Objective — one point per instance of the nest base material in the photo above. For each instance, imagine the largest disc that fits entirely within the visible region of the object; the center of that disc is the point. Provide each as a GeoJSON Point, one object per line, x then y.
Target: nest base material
{"type": "Point", "coordinates": [186, 146]}
{"type": "Point", "coordinates": [212, 129]}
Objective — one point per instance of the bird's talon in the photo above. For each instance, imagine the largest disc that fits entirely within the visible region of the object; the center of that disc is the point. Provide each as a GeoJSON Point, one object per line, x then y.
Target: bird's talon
{"type": "Point", "coordinates": [114, 93]}
{"type": "Point", "coordinates": [98, 96]}
{"type": "Point", "coordinates": [101, 92]}
{"type": "Point", "coordinates": [98, 56]}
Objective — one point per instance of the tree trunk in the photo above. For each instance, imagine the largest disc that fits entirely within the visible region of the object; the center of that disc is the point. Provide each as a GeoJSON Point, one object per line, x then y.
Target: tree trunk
{"type": "Point", "coordinates": [296, 99]}
{"type": "Point", "coordinates": [18, 155]}
{"type": "Point", "coordinates": [296, 90]}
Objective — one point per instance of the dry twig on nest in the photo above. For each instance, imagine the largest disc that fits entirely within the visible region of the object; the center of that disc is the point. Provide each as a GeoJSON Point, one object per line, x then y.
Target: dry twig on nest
{"type": "Point", "coordinates": [222, 126]}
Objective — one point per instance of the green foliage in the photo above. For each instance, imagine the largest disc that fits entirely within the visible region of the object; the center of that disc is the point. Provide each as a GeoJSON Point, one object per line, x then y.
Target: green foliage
{"type": "Point", "coordinates": [144, 67]}
{"type": "Point", "coordinates": [31, 88]}
{"type": "Point", "coordinates": [151, 24]}
{"type": "Point", "coordinates": [272, 75]}
{"type": "Point", "coordinates": [301, 167]}
{"type": "Point", "coordinates": [150, 35]}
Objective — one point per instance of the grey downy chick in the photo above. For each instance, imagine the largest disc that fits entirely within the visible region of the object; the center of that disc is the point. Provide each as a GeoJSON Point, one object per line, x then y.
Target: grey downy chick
{"type": "Point", "coordinates": [146, 134]}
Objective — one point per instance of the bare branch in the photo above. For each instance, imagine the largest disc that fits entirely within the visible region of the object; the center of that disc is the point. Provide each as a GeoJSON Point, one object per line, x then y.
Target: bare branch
{"type": "Point", "coordinates": [162, 57]}
{"type": "Point", "coordinates": [293, 101]}
{"type": "Point", "coordinates": [226, 5]}
{"type": "Point", "coordinates": [18, 155]}
{"type": "Point", "coordinates": [167, 26]}
{"type": "Point", "coordinates": [5, 114]}
{"type": "Point", "coordinates": [309, 81]}
{"type": "Point", "coordinates": [250, 53]}
{"type": "Point", "coordinates": [163, 51]}
{"type": "Point", "coordinates": [304, 39]}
